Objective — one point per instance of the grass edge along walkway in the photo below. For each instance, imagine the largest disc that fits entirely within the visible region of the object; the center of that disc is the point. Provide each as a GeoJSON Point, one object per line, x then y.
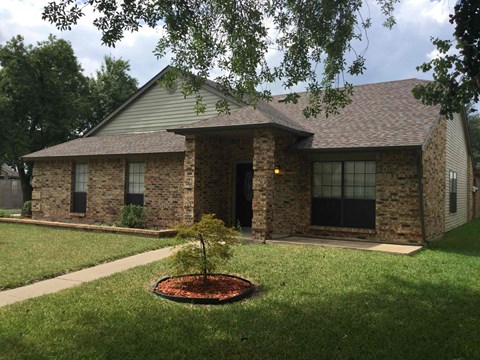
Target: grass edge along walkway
{"type": "Point", "coordinates": [78, 277]}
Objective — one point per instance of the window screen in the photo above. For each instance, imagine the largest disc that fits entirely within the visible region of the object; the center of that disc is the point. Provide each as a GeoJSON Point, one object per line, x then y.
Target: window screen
{"type": "Point", "coordinates": [343, 194]}
{"type": "Point", "coordinates": [453, 191]}
{"type": "Point", "coordinates": [135, 183]}
{"type": "Point", "coordinates": [80, 187]}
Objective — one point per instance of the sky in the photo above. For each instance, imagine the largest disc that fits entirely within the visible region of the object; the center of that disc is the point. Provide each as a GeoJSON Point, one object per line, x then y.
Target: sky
{"type": "Point", "coordinates": [391, 55]}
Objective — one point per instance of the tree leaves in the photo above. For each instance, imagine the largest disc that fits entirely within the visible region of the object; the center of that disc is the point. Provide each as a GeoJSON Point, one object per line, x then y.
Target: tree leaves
{"type": "Point", "coordinates": [45, 99]}
{"type": "Point", "coordinates": [457, 68]}
{"type": "Point", "coordinates": [237, 37]}
{"type": "Point", "coordinates": [111, 86]}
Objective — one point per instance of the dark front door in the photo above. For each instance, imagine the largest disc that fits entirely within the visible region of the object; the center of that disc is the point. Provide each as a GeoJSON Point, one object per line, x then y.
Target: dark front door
{"type": "Point", "coordinates": [244, 195]}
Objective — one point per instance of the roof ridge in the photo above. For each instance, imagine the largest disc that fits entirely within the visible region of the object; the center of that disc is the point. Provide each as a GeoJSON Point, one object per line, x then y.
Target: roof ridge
{"type": "Point", "coordinates": [362, 85]}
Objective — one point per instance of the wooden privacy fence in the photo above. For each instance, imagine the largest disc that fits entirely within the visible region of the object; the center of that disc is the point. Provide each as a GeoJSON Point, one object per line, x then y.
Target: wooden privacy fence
{"type": "Point", "coordinates": [10, 194]}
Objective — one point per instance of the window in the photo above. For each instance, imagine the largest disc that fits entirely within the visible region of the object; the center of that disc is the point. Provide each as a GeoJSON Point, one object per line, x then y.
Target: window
{"type": "Point", "coordinates": [453, 191]}
{"type": "Point", "coordinates": [344, 194]}
{"type": "Point", "coordinates": [80, 186]}
{"type": "Point", "coordinates": [135, 183]}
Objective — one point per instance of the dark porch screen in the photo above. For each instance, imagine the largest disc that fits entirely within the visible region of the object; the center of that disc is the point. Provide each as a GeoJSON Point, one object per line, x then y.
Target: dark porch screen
{"type": "Point", "coordinates": [344, 194]}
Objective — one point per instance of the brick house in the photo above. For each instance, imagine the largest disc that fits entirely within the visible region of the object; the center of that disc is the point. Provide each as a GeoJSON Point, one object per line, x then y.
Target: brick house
{"type": "Point", "coordinates": [386, 168]}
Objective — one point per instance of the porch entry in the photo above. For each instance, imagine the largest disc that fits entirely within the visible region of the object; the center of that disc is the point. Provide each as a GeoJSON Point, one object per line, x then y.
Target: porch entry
{"type": "Point", "coordinates": [243, 194]}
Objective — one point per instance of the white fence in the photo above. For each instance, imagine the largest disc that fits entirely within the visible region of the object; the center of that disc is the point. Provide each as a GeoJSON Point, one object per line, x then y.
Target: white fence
{"type": "Point", "coordinates": [10, 194]}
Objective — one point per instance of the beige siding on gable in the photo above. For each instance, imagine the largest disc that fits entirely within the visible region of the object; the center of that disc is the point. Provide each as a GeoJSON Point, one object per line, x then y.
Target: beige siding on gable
{"type": "Point", "coordinates": [457, 161]}
{"type": "Point", "coordinates": [156, 109]}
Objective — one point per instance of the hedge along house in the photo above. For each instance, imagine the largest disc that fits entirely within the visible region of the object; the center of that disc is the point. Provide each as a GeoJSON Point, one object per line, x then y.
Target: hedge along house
{"type": "Point", "coordinates": [386, 168]}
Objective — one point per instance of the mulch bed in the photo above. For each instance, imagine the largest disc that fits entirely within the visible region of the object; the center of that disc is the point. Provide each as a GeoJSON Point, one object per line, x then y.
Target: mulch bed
{"type": "Point", "coordinates": [218, 286]}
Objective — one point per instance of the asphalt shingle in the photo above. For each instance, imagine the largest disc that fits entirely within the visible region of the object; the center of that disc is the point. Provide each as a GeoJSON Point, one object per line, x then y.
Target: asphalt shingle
{"type": "Point", "coordinates": [380, 115]}
{"type": "Point", "coordinates": [140, 143]}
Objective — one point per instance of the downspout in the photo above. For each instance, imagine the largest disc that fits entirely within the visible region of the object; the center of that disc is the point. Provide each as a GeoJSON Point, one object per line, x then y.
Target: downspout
{"type": "Point", "coordinates": [420, 196]}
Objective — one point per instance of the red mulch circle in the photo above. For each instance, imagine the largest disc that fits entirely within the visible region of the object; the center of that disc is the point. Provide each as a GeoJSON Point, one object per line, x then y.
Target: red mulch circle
{"type": "Point", "coordinates": [192, 286]}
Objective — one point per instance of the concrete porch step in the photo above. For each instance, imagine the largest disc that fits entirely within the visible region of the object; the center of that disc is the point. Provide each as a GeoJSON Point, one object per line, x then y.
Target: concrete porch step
{"type": "Point", "coordinates": [347, 244]}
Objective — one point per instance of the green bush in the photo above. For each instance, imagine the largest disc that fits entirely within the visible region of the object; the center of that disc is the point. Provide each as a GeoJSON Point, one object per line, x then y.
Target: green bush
{"type": "Point", "coordinates": [133, 216]}
{"type": "Point", "coordinates": [4, 214]}
{"type": "Point", "coordinates": [27, 208]}
{"type": "Point", "coordinates": [209, 244]}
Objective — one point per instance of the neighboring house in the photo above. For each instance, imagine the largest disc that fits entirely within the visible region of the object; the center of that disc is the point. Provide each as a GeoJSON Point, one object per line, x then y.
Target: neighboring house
{"type": "Point", "coordinates": [387, 168]}
{"type": "Point", "coordinates": [10, 188]}
{"type": "Point", "coordinates": [8, 173]}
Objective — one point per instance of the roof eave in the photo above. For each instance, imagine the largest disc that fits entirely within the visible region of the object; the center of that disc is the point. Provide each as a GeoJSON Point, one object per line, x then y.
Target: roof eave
{"type": "Point", "coordinates": [204, 130]}
{"type": "Point", "coordinates": [356, 149]}
{"type": "Point", "coordinates": [67, 157]}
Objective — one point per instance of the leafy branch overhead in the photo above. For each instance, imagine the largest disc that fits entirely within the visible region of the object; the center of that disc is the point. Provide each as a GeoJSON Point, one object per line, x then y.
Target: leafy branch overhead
{"type": "Point", "coordinates": [457, 68]}
{"type": "Point", "coordinates": [237, 37]}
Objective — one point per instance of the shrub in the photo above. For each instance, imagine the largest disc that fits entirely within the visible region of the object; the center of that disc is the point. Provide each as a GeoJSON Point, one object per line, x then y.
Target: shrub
{"type": "Point", "coordinates": [4, 214]}
{"type": "Point", "coordinates": [27, 208]}
{"type": "Point", "coordinates": [133, 216]}
{"type": "Point", "coordinates": [209, 244]}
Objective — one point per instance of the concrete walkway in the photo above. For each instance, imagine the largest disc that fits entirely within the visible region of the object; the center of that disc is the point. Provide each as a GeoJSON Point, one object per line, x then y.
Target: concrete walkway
{"type": "Point", "coordinates": [348, 244]}
{"type": "Point", "coordinates": [78, 277]}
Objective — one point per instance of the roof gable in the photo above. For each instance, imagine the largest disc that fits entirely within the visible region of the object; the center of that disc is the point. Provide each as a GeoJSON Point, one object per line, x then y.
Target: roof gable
{"type": "Point", "coordinates": [153, 108]}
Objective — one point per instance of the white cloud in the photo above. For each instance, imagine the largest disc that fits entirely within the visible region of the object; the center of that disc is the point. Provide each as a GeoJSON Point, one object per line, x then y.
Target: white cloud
{"type": "Point", "coordinates": [423, 12]}
{"type": "Point", "coordinates": [392, 54]}
{"type": "Point", "coordinates": [434, 54]}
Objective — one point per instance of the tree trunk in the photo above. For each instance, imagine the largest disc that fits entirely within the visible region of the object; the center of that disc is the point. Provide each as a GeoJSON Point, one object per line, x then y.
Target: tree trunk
{"type": "Point", "coordinates": [204, 260]}
{"type": "Point", "coordinates": [25, 182]}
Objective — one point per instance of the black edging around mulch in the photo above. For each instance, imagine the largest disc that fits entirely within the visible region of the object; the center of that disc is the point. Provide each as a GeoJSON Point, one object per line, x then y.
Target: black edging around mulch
{"type": "Point", "coordinates": [204, 301]}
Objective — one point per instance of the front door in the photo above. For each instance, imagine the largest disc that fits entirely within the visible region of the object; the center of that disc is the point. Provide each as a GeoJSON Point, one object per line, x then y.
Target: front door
{"type": "Point", "coordinates": [243, 194]}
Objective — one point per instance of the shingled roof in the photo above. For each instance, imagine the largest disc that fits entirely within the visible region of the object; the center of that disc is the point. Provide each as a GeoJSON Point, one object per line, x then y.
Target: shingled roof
{"type": "Point", "coordinates": [380, 115]}
{"type": "Point", "coordinates": [9, 171]}
{"type": "Point", "coordinates": [248, 117]}
{"type": "Point", "coordinates": [128, 144]}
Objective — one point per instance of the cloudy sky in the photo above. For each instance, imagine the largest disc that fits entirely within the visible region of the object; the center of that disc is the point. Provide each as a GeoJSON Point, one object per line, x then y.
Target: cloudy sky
{"type": "Point", "coordinates": [392, 55]}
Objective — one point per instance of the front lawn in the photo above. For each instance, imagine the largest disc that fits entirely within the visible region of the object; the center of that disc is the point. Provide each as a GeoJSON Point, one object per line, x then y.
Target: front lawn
{"type": "Point", "coordinates": [313, 303]}
{"type": "Point", "coordinates": [29, 253]}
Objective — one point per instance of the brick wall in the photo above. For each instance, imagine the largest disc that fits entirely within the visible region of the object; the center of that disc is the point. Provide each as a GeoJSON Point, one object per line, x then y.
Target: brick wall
{"type": "Point", "coordinates": [434, 169]}
{"type": "Point", "coordinates": [211, 180]}
{"type": "Point", "coordinates": [51, 190]}
{"type": "Point", "coordinates": [291, 205]}
{"type": "Point", "coordinates": [398, 206]}
{"type": "Point", "coordinates": [106, 190]}
{"type": "Point", "coordinates": [209, 175]}
{"type": "Point", "coordinates": [397, 203]}
{"type": "Point", "coordinates": [163, 195]}
{"type": "Point", "coordinates": [263, 165]}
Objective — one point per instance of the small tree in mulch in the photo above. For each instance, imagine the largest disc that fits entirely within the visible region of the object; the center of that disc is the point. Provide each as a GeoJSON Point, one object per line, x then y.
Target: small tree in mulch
{"type": "Point", "coordinates": [209, 244]}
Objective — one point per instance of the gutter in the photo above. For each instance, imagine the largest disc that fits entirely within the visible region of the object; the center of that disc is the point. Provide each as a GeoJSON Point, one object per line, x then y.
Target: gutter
{"type": "Point", "coordinates": [420, 195]}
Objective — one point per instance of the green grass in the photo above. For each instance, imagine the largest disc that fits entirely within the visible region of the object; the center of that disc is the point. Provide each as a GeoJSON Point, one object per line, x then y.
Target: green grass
{"type": "Point", "coordinates": [10, 212]}
{"type": "Point", "coordinates": [313, 303]}
{"type": "Point", "coordinates": [29, 253]}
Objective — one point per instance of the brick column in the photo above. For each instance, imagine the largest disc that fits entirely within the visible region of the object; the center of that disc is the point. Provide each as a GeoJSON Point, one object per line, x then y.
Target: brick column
{"type": "Point", "coordinates": [263, 164]}
{"type": "Point", "coordinates": [189, 181]}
